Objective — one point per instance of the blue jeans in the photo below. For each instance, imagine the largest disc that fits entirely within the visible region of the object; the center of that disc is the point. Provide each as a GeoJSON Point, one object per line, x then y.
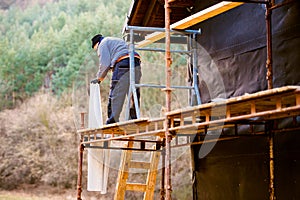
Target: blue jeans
{"type": "Point", "coordinates": [119, 88]}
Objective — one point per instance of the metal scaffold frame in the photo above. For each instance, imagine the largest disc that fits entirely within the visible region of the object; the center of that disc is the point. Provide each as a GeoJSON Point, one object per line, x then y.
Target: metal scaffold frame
{"type": "Point", "coordinates": [192, 52]}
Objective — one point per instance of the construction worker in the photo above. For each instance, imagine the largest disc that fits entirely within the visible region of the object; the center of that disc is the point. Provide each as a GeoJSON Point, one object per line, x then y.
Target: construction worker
{"type": "Point", "coordinates": [114, 55]}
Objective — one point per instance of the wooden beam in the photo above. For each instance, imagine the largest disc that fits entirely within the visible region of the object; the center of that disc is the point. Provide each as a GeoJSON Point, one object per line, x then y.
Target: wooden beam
{"type": "Point", "coordinates": [181, 3]}
{"type": "Point", "coordinates": [205, 14]}
{"type": "Point", "coordinates": [192, 20]}
{"type": "Point", "coordinates": [149, 11]}
{"type": "Point", "coordinates": [139, 165]}
{"type": "Point", "coordinates": [139, 3]}
{"type": "Point", "coordinates": [151, 39]}
{"type": "Point", "coordinates": [136, 187]}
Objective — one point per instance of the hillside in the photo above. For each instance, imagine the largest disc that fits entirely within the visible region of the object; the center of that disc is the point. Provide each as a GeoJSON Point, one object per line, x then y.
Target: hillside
{"type": "Point", "coordinates": [39, 141]}
{"type": "Point", "coordinates": [5, 4]}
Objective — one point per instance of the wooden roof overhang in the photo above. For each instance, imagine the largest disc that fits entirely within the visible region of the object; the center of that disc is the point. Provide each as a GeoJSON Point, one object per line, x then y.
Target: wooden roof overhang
{"type": "Point", "coordinates": [150, 13]}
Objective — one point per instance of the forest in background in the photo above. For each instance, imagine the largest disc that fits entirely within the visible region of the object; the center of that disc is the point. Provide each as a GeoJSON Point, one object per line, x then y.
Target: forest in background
{"type": "Point", "coordinates": [51, 41]}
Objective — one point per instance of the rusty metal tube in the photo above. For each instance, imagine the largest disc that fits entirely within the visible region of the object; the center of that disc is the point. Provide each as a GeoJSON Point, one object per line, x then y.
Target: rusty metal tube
{"type": "Point", "coordinates": [269, 61]}
{"type": "Point", "coordinates": [168, 60]}
{"type": "Point", "coordinates": [79, 178]}
{"type": "Point", "coordinates": [270, 86]}
{"type": "Point", "coordinates": [163, 163]}
{"type": "Point", "coordinates": [80, 161]}
{"type": "Point", "coordinates": [168, 91]}
{"type": "Point", "coordinates": [271, 162]}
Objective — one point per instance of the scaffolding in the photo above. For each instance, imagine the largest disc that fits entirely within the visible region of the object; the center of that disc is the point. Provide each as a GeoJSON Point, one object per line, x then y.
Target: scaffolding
{"type": "Point", "coordinates": [261, 108]}
{"type": "Point", "coordinates": [189, 36]}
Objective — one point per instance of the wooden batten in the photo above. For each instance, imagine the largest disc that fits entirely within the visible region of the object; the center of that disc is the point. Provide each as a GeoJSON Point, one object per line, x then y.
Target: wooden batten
{"type": "Point", "coordinates": [205, 14]}
{"type": "Point", "coordinates": [139, 165]}
{"type": "Point", "coordinates": [136, 187]}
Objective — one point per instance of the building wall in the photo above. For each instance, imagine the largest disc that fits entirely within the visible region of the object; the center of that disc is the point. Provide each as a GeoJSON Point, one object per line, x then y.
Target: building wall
{"type": "Point", "coordinates": [232, 62]}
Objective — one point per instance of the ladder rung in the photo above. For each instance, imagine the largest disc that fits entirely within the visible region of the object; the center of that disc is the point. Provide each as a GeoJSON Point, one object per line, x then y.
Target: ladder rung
{"type": "Point", "coordinates": [139, 165]}
{"type": "Point", "coordinates": [136, 187]}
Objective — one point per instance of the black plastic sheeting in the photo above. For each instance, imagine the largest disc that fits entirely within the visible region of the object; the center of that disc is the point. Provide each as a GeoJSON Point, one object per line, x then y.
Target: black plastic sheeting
{"type": "Point", "coordinates": [236, 169]}
{"type": "Point", "coordinates": [231, 62]}
{"type": "Point", "coordinates": [287, 165]}
{"type": "Point", "coordinates": [239, 168]}
{"type": "Point", "coordinates": [232, 51]}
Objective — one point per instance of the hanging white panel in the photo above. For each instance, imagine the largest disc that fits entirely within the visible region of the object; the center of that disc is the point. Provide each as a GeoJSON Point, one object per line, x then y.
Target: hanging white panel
{"type": "Point", "coordinates": [98, 159]}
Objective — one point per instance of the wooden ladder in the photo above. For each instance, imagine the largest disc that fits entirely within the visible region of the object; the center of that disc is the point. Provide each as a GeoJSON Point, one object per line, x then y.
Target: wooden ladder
{"type": "Point", "coordinates": [127, 163]}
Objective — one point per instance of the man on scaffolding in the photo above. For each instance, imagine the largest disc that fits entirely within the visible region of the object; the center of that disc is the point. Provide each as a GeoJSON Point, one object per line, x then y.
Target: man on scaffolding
{"type": "Point", "coordinates": [113, 55]}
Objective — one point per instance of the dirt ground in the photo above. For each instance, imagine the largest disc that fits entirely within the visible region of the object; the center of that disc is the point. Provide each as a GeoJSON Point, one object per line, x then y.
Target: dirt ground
{"type": "Point", "coordinates": [32, 192]}
{"type": "Point", "coordinates": [38, 193]}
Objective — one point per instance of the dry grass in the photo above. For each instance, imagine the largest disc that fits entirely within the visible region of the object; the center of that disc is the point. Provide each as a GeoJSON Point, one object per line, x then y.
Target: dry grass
{"type": "Point", "coordinates": [38, 155]}
{"type": "Point", "coordinates": [38, 142]}
{"type": "Point", "coordinates": [28, 192]}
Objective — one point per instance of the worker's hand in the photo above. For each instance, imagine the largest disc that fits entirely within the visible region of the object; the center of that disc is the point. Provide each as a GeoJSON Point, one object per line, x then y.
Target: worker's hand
{"type": "Point", "coordinates": [95, 81]}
